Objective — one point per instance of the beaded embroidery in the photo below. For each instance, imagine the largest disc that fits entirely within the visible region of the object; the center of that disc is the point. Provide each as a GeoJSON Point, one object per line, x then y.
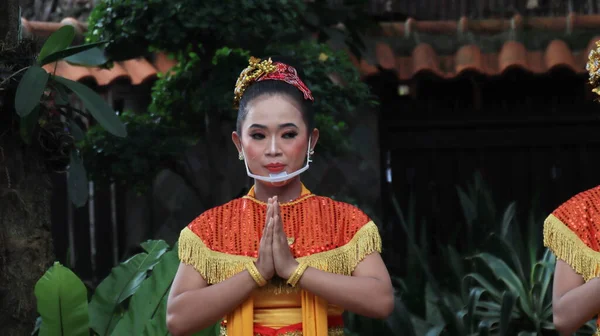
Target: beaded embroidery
{"type": "Point", "coordinates": [572, 233]}
{"type": "Point", "coordinates": [329, 235]}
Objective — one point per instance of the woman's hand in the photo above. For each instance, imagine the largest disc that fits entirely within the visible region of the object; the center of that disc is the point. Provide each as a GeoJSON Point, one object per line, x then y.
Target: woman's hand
{"type": "Point", "coordinates": [265, 263]}
{"type": "Point", "coordinates": [285, 264]}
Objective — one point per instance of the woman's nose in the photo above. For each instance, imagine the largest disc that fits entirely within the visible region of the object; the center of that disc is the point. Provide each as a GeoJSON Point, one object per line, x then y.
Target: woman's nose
{"type": "Point", "coordinates": [273, 146]}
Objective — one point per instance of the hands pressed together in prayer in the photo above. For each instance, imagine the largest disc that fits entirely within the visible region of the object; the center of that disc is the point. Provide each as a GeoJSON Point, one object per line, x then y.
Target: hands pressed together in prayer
{"type": "Point", "coordinates": [274, 254]}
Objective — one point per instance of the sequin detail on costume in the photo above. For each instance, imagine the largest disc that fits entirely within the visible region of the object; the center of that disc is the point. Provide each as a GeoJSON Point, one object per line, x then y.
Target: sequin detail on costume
{"type": "Point", "coordinates": [582, 215]}
{"type": "Point", "coordinates": [327, 235]}
{"type": "Point", "coordinates": [572, 233]}
{"type": "Point", "coordinates": [317, 224]}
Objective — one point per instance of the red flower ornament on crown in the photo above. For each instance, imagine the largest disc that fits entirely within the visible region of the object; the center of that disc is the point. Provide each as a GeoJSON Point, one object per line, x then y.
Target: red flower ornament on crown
{"type": "Point", "coordinates": [259, 70]}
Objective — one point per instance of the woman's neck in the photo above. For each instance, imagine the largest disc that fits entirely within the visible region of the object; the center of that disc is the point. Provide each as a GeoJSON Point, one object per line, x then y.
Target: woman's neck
{"type": "Point", "coordinates": [286, 193]}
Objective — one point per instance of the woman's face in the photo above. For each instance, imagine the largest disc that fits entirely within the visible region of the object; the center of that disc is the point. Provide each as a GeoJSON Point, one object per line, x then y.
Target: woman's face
{"type": "Point", "coordinates": [274, 136]}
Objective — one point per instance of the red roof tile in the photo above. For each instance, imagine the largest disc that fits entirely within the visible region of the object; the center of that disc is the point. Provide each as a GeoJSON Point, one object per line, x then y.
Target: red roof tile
{"type": "Point", "coordinates": [137, 71]}
{"type": "Point", "coordinates": [423, 57]}
{"type": "Point", "coordinates": [512, 54]}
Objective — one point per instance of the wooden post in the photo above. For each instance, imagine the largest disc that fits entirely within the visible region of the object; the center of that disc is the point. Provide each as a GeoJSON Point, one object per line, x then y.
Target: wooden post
{"type": "Point", "coordinates": [9, 22]}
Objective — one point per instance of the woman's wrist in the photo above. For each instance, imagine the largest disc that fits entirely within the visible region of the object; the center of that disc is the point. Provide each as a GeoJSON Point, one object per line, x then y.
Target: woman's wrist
{"type": "Point", "coordinates": [295, 276]}
{"type": "Point", "coordinates": [255, 274]}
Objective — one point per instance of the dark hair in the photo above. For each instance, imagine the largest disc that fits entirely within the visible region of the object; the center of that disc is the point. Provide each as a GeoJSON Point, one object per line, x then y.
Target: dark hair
{"type": "Point", "coordinates": [275, 87]}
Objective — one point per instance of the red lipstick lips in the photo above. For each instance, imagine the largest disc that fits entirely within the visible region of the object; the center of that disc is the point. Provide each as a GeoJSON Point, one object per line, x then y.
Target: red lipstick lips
{"type": "Point", "coordinates": [275, 167]}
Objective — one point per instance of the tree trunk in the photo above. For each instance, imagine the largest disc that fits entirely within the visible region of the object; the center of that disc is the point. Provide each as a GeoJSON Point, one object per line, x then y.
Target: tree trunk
{"type": "Point", "coordinates": [25, 232]}
{"type": "Point", "coordinates": [9, 22]}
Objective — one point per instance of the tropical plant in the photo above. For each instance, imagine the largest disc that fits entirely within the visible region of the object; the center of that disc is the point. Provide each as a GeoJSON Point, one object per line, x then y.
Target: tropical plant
{"type": "Point", "coordinates": [130, 301]}
{"type": "Point", "coordinates": [42, 103]}
{"type": "Point", "coordinates": [500, 284]}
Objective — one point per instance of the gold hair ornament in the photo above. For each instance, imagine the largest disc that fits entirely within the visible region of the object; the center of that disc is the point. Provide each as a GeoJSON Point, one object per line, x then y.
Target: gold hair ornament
{"type": "Point", "coordinates": [593, 68]}
{"type": "Point", "coordinates": [255, 70]}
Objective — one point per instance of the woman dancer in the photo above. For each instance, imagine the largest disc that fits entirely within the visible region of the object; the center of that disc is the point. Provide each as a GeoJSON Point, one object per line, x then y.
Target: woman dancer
{"type": "Point", "coordinates": [280, 260]}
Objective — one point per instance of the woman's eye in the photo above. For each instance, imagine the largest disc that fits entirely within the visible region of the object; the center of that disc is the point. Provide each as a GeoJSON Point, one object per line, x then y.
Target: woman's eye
{"type": "Point", "coordinates": [257, 136]}
{"type": "Point", "coordinates": [290, 135]}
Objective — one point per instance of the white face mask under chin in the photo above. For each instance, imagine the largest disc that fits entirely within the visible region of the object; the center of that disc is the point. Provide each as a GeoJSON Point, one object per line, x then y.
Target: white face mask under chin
{"type": "Point", "coordinates": [283, 176]}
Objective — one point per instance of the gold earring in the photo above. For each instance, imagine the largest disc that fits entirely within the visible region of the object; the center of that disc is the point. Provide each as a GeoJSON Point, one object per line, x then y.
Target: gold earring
{"type": "Point", "coordinates": [241, 156]}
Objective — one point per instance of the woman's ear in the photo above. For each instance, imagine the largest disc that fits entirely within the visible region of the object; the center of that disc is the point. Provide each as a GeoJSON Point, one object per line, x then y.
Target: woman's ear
{"type": "Point", "coordinates": [314, 138]}
{"type": "Point", "coordinates": [236, 141]}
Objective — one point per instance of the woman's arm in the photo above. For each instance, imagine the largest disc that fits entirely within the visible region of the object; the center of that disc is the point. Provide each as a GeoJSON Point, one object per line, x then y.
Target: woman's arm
{"type": "Point", "coordinates": [574, 302]}
{"type": "Point", "coordinates": [193, 305]}
{"type": "Point", "coordinates": [367, 292]}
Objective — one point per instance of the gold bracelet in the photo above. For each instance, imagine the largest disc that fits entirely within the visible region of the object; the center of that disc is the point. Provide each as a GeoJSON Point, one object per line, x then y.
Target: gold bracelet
{"type": "Point", "coordinates": [295, 277]}
{"type": "Point", "coordinates": [255, 274]}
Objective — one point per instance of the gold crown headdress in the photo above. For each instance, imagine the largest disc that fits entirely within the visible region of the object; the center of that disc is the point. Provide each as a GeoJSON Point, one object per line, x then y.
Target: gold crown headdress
{"type": "Point", "coordinates": [259, 70]}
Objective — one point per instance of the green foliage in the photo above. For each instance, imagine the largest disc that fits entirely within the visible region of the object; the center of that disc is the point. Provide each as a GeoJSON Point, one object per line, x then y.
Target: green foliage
{"type": "Point", "coordinates": [30, 90]}
{"type": "Point", "coordinates": [138, 157]}
{"type": "Point", "coordinates": [150, 299]}
{"type": "Point", "coordinates": [97, 106]}
{"type": "Point", "coordinates": [123, 281]}
{"type": "Point", "coordinates": [212, 41]}
{"type": "Point", "coordinates": [41, 98]}
{"type": "Point", "coordinates": [132, 300]}
{"type": "Point", "coordinates": [174, 25]}
{"type": "Point", "coordinates": [62, 303]}
{"type": "Point", "coordinates": [500, 284]}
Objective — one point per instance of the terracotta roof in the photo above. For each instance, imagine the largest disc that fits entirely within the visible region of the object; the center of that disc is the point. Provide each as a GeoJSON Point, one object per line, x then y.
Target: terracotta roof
{"type": "Point", "coordinates": [137, 71]}
{"type": "Point", "coordinates": [423, 57]}
{"type": "Point", "coordinates": [512, 54]}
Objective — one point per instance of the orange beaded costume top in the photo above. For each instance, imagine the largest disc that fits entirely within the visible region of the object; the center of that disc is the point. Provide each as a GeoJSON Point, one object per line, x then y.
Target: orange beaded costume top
{"type": "Point", "coordinates": [572, 232]}
{"type": "Point", "coordinates": [327, 235]}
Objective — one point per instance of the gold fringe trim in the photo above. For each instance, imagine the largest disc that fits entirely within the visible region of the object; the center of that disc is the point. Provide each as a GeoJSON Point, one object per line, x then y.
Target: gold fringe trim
{"type": "Point", "coordinates": [217, 266]}
{"type": "Point", "coordinates": [343, 260]}
{"type": "Point", "coordinates": [213, 266]}
{"type": "Point", "coordinates": [567, 246]}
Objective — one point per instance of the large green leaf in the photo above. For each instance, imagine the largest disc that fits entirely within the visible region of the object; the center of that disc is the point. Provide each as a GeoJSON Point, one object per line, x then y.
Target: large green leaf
{"type": "Point", "coordinates": [484, 328]}
{"type": "Point", "coordinates": [86, 55]}
{"type": "Point", "coordinates": [58, 41]}
{"type": "Point", "coordinates": [77, 181]}
{"type": "Point", "coordinates": [99, 109]}
{"type": "Point", "coordinates": [28, 123]}
{"type": "Point", "coordinates": [508, 253]}
{"type": "Point", "coordinates": [146, 301]}
{"type": "Point", "coordinates": [508, 304]}
{"type": "Point", "coordinates": [474, 297]}
{"type": "Point", "coordinates": [505, 274]}
{"type": "Point", "coordinates": [76, 131]}
{"type": "Point", "coordinates": [62, 303]}
{"type": "Point", "coordinates": [30, 90]}
{"type": "Point", "coordinates": [478, 278]}
{"type": "Point", "coordinates": [123, 281]}
{"type": "Point", "coordinates": [157, 326]}
{"type": "Point", "coordinates": [507, 219]}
